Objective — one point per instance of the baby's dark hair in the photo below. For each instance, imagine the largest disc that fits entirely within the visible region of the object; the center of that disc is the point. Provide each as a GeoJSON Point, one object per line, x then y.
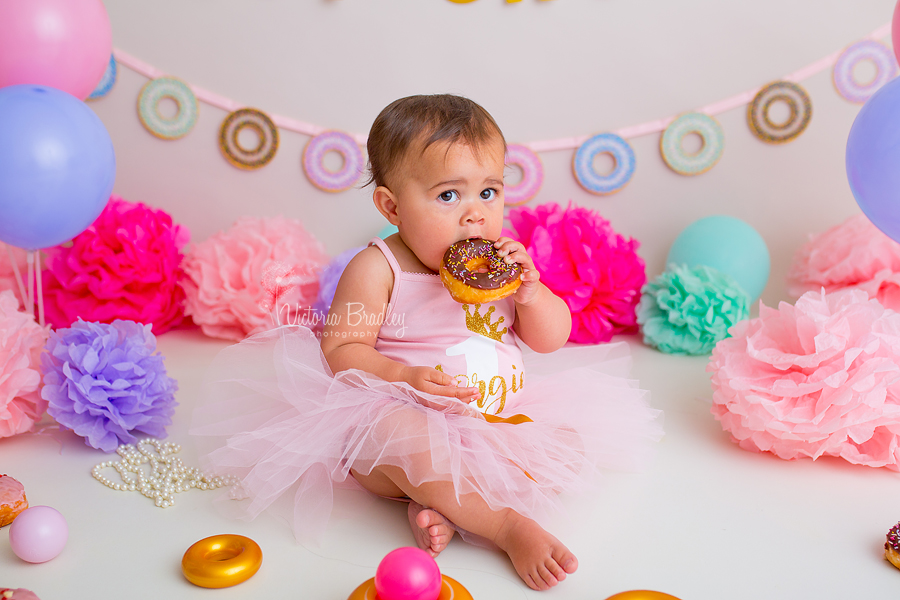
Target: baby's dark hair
{"type": "Point", "coordinates": [425, 120]}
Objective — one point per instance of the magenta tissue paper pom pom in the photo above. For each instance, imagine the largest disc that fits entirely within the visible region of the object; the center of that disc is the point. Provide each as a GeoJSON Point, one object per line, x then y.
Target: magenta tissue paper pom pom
{"type": "Point", "coordinates": [854, 254]}
{"type": "Point", "coordinates": [226, 294]}
{"type": "Point", "coordinates": [106, 381]}
{"type": "Point", "coordinates": [21, 343]}
{"type": "Point", "coordinates": [821, 378]}
{"type": "Point", "coordinates": [583, 261]}
{"type": "Point", "coordinates": [126, 265]}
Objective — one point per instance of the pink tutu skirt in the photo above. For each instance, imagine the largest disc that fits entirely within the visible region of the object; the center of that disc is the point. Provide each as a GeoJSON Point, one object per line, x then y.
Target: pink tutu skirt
{"type": "Point", "coordinates": [279, 421]}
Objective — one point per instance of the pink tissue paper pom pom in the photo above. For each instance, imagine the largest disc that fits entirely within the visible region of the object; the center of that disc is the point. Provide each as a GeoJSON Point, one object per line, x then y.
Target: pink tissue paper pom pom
{"type": "Point", "coordinates": [126, 265]}
{"type": "Point", "coordinates": [225, 290]}
{"type": "Point", "coordinates": [821, 378]}
{"type": "Point", "coordinates": [8, 274]}
{"type": "Point", "coordinates": [854, 254]}
{"type": "Point", "coordinates": [21, 343]}
{"type": "Point", "coordinates": [583, 261]}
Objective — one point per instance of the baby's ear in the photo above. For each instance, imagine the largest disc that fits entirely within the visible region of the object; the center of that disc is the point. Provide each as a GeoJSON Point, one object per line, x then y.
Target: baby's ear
{"type": "Point", "coordinates": [386, 203]}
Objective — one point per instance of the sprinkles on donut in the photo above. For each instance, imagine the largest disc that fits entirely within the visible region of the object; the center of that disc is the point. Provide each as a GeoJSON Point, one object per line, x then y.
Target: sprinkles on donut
{"type": "Point", "coordinates": [892, 545]}
{"type": "Point", "coordinates": [474, 274]}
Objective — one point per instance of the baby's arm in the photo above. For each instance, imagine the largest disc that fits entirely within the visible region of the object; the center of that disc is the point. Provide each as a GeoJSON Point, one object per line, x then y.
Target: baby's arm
{"type": "Point", "coordinates": [543, 320]}
{"type": "Point", "coordinates": [348, 341]}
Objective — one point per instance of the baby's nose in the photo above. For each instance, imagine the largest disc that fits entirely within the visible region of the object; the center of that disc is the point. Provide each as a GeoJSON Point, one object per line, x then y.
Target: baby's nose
{"type": "Point", "coordinates": [473, 214]}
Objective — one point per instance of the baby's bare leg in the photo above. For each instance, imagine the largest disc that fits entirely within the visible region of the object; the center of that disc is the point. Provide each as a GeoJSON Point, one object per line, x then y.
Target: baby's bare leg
{"type": "Point", "coordinates": [430, 528]}
{"type": "Point", "coordinates": [538, 557]}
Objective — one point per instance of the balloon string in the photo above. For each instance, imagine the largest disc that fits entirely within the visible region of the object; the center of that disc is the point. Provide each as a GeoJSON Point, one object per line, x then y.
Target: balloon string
{"type": "Point", "coordinates": [15, 266]}
{"type": "Point", "coordinates": [29, 305]}
{"type": "Point", "coordinates": [40, 289]}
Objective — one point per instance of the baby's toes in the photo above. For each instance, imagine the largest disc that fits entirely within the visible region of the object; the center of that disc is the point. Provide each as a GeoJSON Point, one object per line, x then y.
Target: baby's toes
{"type": "Point", "coordinates": [565, 559]}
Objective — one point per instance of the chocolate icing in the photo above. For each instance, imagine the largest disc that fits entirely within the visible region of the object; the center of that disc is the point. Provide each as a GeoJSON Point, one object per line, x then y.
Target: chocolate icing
{"type": "Point", "coordinates": [498, 274]}
{"type": "Point", "coordinates": [893, 538]}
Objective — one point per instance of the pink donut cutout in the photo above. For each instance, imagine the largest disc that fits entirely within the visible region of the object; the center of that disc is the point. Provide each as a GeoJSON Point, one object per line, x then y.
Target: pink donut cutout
{"type": "Point", "coordinates": [532, 175]}
{"type": "Point", "coordinates": [322, 177]}
{"type": "Point", "coordinates": [880, 56]}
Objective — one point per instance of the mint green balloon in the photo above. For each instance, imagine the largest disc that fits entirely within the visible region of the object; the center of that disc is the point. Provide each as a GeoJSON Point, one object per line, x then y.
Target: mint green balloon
{"type": "Point", "coordinates": [388, 230]}
{"type": "Point", "coordinates": [728, 245]}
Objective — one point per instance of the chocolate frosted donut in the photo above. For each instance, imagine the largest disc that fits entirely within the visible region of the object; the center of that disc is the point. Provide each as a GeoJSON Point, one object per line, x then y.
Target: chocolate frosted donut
{"type": "Point", "coordinates": [892, 545]}
{"type": "Point", "coordinates": [474, 273]}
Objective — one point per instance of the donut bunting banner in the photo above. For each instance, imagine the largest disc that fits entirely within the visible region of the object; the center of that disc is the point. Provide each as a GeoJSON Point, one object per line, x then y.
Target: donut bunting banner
{"type": "Point", "coordinates": [525, 157]}
{"type": "Point", "coordinates": [261, 125]}
{"type": "Point", "coordinates": [798, 103]}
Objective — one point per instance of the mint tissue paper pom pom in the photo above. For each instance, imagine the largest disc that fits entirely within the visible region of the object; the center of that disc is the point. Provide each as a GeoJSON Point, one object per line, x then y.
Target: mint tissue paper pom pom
{"type": "Point", "coordinates": [688, 310]}
{"type": "Point", "coordinates": [106, 381]}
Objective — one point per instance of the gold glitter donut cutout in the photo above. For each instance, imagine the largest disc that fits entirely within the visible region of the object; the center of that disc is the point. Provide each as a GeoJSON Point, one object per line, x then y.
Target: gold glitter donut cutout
{"type": "Point", "coordinates": [221, 561]}
{"type": "Point", "coordinates": [450, 590]}
{"type": "Point", "coordinates": [798, 102]}
{"type": "Point", "coordinates": [234, 152]}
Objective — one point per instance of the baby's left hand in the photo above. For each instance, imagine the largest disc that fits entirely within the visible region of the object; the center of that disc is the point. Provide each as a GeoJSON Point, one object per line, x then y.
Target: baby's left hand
{"type": "Point", "coordinates": [514, 252]}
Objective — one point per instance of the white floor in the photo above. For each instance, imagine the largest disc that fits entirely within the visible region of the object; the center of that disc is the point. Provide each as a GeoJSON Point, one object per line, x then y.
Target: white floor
{"type": "Point", "coordinates": [707, 521]}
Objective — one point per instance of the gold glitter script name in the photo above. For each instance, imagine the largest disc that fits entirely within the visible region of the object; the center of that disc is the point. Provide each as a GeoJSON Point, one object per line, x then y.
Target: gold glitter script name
{"type": "Point", "coordinates": [493, 392]}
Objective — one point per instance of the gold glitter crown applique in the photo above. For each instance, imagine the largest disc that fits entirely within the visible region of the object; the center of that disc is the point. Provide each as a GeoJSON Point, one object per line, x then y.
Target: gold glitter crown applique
{"type": "Point", "coordinates": [482, 325]}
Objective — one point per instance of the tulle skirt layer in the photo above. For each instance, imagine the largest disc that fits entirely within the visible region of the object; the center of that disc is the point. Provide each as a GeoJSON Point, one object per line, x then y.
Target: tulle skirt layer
{"type": "Point", "coordinates": [279, 421]}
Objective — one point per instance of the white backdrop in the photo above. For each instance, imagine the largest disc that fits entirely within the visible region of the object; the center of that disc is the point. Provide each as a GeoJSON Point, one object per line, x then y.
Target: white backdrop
{"type": "Point", "coordinates": [544, 69]}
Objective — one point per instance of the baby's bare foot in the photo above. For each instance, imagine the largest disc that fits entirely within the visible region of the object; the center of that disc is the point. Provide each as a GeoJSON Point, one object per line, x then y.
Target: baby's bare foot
{"type": "Point", "coordinates": [430, 528]}
{"type": "Point", "coordinates": [540, 559]}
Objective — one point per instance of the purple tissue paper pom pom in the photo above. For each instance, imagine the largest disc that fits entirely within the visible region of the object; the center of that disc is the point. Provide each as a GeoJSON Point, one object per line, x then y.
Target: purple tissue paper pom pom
{"type": "Point", "coordinates": [104, 381]}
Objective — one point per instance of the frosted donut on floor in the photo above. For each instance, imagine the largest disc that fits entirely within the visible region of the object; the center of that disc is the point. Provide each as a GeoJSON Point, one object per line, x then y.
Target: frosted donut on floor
{"type": "Point", "coordinates": [798, 102]}
{"type": "Point", "coordinates": [532, 175]}
{"type": "Point", "coordinates": [154, 92]}
{"type": "Point", "coordinates": [320, 175]}
{"type": "Point", "coordinates": [230, 143]}
{"type": "Point", "coordinates": [885, 69]}
{"type": "Point", "coordinates": [586, 174]}
{"type": "Point", "coordinates": [107, 81]}
{"type": "Point", "coordinates": [710, 132]}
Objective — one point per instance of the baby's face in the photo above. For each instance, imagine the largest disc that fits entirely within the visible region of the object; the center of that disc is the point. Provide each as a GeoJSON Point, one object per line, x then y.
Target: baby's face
{"type": "Point", "coordinates": [450, 193]}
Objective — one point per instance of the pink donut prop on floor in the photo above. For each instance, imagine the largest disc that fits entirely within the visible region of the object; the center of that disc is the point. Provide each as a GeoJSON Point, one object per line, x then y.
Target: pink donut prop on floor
{"type": "Point", "coordinates": [532, 175]}
{"type": "Point", "coordinates": [866, 50]}
{"type": "Point", "coordinates": [64, 44]}
{"type": "Point", "coordinates": [314, 164]}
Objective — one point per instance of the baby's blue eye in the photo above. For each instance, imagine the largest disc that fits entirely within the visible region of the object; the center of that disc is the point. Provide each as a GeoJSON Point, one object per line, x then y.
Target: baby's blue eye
{"type": "Point", "coordinates": [488, 194]}
{"type": "Point", "coordinates": [449, 196]}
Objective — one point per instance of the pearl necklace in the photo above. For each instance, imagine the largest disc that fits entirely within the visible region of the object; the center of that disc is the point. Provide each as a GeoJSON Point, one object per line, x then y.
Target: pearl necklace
{"type": "Point", "coordinates": [167, 473]}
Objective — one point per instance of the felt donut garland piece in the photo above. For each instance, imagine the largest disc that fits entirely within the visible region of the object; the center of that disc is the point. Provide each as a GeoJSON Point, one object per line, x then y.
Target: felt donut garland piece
{"type": "Point", "coordinates": [230, 143]}
{"type": "Point", "coordinates": [154, 92]}
{"type": "Point", "coordinates": [587, 176]}
{"type": "Point", "coordinates": [314, 161]}
{"type": "Point", "coordinates": [532, 175]}
{"type": "Point", "coordinates": [798, 102]}
{"type": "Point", "coordinates": [867, 50]}
{"type": "Point", "coordinates": [106, 82]}
{"type": "Point", "coordinates": [680, 161]}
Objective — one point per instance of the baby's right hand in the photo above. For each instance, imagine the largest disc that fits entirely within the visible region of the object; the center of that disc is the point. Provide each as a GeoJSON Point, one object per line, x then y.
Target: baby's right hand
{"type": "Point", "coordinates": [432, 381]}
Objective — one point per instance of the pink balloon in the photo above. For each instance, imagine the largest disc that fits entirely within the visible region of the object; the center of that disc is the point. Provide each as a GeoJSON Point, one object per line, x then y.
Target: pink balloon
{"type": "Point", "coordinates": [895, 31]}
{"type": "Point", "coordinates": [38, 534]}
{"type": "Point", "coordinates": [65, 44]}
{"type": "Point", "coordinates": [408, 574]}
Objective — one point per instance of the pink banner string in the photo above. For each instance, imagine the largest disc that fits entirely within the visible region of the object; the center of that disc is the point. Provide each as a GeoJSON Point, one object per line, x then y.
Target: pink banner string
{"type": "Point", "coordinates": [567, 143]}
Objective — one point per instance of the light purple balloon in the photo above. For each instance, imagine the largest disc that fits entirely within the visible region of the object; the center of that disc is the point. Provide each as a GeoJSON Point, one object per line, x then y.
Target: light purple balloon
{"type": "Point", "coordinates": [38, 534]}
{"type": "Point", "coordinates": [873, 159]}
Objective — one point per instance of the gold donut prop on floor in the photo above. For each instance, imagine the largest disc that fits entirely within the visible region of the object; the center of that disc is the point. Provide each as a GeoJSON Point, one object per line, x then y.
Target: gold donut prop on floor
{"type": "Point", "coordinates": [451, 589]}
{"type": "Point", "coordinates": [642, 595]}
{"type": "Point", "coordinates": [221, 561]}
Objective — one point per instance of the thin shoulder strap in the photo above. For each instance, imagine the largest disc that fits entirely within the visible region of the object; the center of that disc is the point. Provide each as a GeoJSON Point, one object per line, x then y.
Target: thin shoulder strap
{"type": "Point", "coordinates": [395, 267]}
